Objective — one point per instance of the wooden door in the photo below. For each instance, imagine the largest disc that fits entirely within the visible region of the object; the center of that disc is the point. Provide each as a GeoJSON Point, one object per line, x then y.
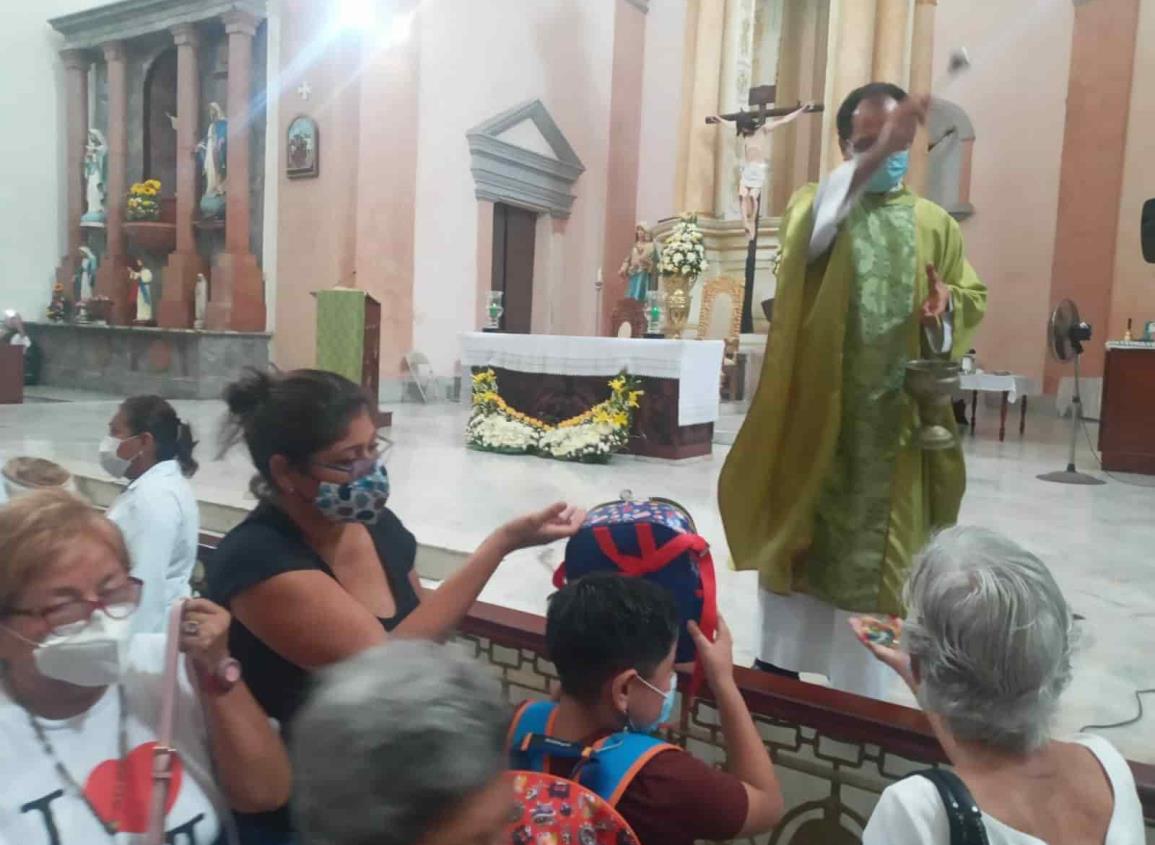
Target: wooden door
{"type": "Point", "coordinates": [513, 245]}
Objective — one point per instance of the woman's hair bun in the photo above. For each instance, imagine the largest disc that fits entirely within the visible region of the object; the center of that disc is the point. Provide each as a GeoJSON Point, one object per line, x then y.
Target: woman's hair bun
{"type": "Point", "coordinates": [248, 393]}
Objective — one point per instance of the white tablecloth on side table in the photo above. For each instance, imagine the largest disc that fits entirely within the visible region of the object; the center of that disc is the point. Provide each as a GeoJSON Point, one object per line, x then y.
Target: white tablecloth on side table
{"type": "Point", "coordinates": [695, 364]}
{"type": "Point", "coordinates": [1009, 383]}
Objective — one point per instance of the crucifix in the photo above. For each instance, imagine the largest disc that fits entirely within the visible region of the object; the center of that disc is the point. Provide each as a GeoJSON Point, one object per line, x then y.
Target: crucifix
{"type": "Point", "coordinates": [304, 90]}
{"type": "Point", "coordinates": [754, 127]}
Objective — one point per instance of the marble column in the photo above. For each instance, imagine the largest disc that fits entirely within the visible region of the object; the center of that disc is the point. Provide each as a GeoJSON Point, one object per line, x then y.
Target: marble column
{"type": "Point", "coordinates": [852, 64]}
{"type": "Point", "coordinates": [892, 42]}
{"type": "Point", "coordinates": [177, 304]}
{"type": "Point", "coordinates": [112, 276]}
{"type": "Point", "coordinates": [236, 291]}
{"type": "Point", "coordinates": [696, 177]}
{"type": "Point", "coordinates": [76, 65]}
{"type": "Point", "coordinates": [921, 79]}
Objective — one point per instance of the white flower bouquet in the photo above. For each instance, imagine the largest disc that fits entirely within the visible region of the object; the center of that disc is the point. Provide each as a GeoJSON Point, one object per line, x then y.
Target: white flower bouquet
{"type": "Point", "coordinates": [684, 253]}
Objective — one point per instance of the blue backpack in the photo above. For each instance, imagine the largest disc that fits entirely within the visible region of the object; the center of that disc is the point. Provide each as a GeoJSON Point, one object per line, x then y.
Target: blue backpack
{"type": "Point", "coordinates": [653, 539]}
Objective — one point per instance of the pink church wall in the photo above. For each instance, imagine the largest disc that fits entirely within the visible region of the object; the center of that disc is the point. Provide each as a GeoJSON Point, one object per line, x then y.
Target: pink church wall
{"type": "Point", "coordinates": [477, 60]}
{"type": "Point", "coordinates": [1018, 110]}
{"type": "Point", "coordinates": [1133, 293]}
{"type": "Point", "coordinates": [661, 109]}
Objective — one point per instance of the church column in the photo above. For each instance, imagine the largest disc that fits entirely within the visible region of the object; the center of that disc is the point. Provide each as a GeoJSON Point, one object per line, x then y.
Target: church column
{"type": "Point", "coordinates": [733, 93]}
{"type": "Point", "coordinates": [237, 293]}
{"type": "Point", "coordinates": [76, 65]}
{"type": "Point", "coordinates": [700, 85]}
{"type": "Point", "coordinates": [921, 79]}
{"type": "Point", "coordinates": [851, 64]}
{"type": "Point", "coordinates": [112, 277]}
{"type": "Point", "coordinates": [892, 42]}
{"type": "Point", "coordinates": [177, 302]}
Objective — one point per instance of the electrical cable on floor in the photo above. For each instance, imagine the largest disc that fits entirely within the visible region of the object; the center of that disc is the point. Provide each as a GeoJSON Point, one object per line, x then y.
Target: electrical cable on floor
{"type": "Point", "coordinates": [1099, 461]}
{"type": "Point", "coordinates": [1138, 700]}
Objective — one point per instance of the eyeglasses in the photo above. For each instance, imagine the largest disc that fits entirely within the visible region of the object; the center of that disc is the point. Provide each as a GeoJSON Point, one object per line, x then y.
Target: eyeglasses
{"type": "Point", "coordinates": [360, 467]}
{"type": "Point", "coordinates": [69, 616]}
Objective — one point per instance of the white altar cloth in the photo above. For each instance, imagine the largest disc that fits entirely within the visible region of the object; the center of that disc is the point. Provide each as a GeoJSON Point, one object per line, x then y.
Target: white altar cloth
{"type": "Point", "coordinates": [1009, 383]}
{"type": "Point", "coordinates": [696, 364]}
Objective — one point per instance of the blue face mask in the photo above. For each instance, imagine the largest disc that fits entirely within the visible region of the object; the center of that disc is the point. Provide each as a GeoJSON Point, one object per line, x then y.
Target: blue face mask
{"type": "Point", "coordinates": [360, 500]}
{"type": "Point", "coordinates": [668, 697]}
{"type": "Point", "coordinates": [889, 174]}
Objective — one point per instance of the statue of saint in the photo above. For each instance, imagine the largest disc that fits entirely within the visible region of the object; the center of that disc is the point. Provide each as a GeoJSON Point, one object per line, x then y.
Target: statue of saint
{"type": "Point", "coordinates": [141, 276]}
{"type": "Point", "coordinates": [95, 176]}
{"type": "Point", "coordinates": [200, 301]}
{"type": "Point", "coordinates": [638, 268]}
{"type": "Point", "coordinates": [85, 275]}
{"type": "Point", "coordinates": [754, 130]}
{"type": "Point", "coordinates": [212, 155]}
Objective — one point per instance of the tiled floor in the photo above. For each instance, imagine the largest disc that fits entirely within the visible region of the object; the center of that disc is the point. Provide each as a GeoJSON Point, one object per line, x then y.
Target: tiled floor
{"type": "Point", "coordinates": [1098, 540]}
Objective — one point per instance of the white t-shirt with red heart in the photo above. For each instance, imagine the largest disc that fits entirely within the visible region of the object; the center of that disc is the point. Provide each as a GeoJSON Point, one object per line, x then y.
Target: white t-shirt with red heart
{"type": "Point", "coordinates": [39, 807]}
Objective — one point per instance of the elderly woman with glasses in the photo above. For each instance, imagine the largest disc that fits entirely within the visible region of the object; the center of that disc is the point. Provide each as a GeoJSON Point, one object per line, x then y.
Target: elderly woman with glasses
{"type": "Point", "coordinates": [986, 648]}
{"type": "Point", "coordinates": [80, 695]}
{"type": "Point", "coordinates": [322, 569]}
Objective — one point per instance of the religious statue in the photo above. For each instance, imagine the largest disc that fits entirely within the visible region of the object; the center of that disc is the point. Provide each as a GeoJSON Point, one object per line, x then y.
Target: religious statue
{"type": "Point", "coordinates": [639, 265]}
{"type": "Point", "coordinates": [95, 177]}
{"type": "Point", "coordinates": [212, 155]}
{"type": "Point", "coordinates": [753, 128]}
{"type": "Point", "coordinates": [85, 275]}
{"type": "Point", "coordinates": [200, 301]}
{"type": "Point", "coordinates": [141, 276]}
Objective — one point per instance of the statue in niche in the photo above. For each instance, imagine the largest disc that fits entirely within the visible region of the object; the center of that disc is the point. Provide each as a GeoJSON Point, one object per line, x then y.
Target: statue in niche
{"type": "Point", "coordinates": [638, 268]}
{"type": "Point", "coordinates": [753, 128]}
{"type": "Point", "coordinates": [95, 178]}
{"type": "Point", "coordinates": [141, 276]}
{"type": "Point", "coordinates": [212, 155]}
{"type": "Point", "coordinates": [85, 275]}
{"type": "Point", "coordinates": [200, 301]}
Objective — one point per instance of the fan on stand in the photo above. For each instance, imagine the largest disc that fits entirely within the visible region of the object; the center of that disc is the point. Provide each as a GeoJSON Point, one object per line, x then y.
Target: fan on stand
{"type": "Point", "coordinates": [1065, 336]}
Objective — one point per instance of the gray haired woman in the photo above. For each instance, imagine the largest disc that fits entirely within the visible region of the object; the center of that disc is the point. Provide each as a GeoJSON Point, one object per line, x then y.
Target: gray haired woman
{"type": "Point", "coordinates": [402, 745]}
{"type": "Point", "coordinates": [986, 648]}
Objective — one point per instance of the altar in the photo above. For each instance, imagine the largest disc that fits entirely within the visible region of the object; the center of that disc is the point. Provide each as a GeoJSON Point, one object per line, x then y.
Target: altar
{"type": "Point", "coordinates": [555, 377]}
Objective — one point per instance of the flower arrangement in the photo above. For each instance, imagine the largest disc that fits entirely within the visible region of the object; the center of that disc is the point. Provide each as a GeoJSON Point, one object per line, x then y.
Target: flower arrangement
{"type": "Point", "coordinates": [142, 202]}
{"type": "Point", "coordinates": [683, 253]}
{"type": "Point", "coordinates": [590, 437]}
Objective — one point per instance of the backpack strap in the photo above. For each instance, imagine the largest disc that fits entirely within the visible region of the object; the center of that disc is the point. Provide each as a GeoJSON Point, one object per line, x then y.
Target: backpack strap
{"type": "Point", "coordinates": [963, 814]}
{"type": "Point", "coordinates": [616, 761]}
{"type": "Point", "coordinates": [532, 718]}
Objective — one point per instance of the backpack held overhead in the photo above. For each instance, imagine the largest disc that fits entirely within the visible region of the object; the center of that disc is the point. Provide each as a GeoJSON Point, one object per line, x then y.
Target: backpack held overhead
{"type": "Point", "coordinates": [581, 809]}
{"type": "Point", "coordinates": [653, 539]}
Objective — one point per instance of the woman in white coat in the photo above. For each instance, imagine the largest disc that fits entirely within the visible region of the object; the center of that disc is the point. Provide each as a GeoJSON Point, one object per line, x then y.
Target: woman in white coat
{"type": "Point", "coordinates": [148, 444]}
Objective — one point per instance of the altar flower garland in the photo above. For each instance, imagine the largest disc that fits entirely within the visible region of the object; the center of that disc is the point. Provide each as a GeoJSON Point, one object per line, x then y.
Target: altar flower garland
{"type": "Point", "coordinates": [142, 204]}
{"type": "Point", "coordinates": [590, 437]}
{"type": "Point", "coordinates": [683, 253]}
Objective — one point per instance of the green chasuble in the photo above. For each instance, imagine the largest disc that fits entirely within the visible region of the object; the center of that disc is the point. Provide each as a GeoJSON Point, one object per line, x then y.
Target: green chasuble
{"type": "Point", "coordinates": [825, 490]}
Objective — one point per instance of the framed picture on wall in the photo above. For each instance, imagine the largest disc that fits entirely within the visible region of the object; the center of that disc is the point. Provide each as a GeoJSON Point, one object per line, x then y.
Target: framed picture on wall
{"type": "Point", "coordinates": [303, 156]}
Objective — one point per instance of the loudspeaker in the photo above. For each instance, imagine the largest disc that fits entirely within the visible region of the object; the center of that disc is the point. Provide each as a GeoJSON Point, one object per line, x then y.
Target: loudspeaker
{"type": "Point", "coordinates": [1147, 231]}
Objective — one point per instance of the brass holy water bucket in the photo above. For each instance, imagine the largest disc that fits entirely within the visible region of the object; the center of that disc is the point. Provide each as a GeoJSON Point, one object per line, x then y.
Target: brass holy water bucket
{"type": "Point", "coordinates": [931, 382]}
{"type": "Point", "coordinates": [677, 291]}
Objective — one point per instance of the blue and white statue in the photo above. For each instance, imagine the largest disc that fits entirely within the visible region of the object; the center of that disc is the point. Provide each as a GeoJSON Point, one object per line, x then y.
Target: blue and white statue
{"type": "Point", "coordinates": [85, 274]}
{"type": "Point", "coordinates": [212, 155]}
{"type": "Point", "coordinates": [95, 178]}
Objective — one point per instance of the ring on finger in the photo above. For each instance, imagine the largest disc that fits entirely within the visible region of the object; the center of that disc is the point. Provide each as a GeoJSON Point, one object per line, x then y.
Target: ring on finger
{"type": "Point", "coordinates": [190, 627]}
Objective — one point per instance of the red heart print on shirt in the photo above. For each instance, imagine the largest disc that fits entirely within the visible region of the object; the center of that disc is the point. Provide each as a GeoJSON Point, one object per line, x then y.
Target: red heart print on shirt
{"type": "Point", "coordinates": [100, 789]}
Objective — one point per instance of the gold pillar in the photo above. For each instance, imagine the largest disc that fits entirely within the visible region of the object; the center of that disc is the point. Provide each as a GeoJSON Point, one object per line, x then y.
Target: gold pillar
{"type": "Point", "coordinates": [892, 42]}
{"type": "Point", "coordinates": [921, 78]}
{"type": "Point", "coordinates": [850, 63]}
{"type": "Point", "coordinates": [705, 22]}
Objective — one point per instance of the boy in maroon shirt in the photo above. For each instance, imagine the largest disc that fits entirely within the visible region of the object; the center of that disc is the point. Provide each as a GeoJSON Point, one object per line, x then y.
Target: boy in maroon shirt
{"type": "Point", "coordinates": [612, 640]}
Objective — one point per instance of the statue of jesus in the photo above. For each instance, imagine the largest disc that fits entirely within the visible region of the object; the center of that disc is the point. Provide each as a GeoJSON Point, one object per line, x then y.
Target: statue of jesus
{"type": "Point", "coordinates": [212, 153]}
{"type": "Point", "coordinates": [754, 129]}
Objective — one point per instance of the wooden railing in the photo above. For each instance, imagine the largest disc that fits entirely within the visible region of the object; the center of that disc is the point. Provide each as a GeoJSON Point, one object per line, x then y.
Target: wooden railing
{"type": "Point", "coordinates": [835, 752]}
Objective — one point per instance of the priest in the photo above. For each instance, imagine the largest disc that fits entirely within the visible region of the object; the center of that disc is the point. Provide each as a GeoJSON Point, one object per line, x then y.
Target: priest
{"type": "Point", "coordinates": [826, 492]}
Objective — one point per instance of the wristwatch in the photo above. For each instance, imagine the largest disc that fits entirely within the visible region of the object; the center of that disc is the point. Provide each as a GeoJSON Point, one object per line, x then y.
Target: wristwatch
{"type": "Point", "coordinates": [222, 680]}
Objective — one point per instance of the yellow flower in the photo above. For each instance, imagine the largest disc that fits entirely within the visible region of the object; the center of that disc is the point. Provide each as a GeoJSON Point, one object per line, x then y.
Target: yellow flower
{"type": "Point", "coordinates": [632, 399]}
{"type": "Point", "coordinates": [154, 184]}
{"type": "Point", "coordinates": [618, 384]}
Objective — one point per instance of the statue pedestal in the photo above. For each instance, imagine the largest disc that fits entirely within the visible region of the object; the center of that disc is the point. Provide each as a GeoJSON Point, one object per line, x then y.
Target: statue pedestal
{"type": "Point", "coordinates": [237, 295]}
{"type": "Point", "coordinates": [177, 305]}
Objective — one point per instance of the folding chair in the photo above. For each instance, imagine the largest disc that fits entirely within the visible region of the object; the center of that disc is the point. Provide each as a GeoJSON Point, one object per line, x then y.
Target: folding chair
{"type": "Point", "coordinates": [421, 375]}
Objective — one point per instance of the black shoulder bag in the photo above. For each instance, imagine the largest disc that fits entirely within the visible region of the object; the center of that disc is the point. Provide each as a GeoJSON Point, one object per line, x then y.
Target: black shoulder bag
{"type": "Point", "coordinates": [964, 815]}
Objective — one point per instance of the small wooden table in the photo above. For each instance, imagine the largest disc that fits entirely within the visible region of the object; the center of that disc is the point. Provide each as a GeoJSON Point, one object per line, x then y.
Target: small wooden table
{"type": "Point", "coordinates": [1127, 416]}
{"type": "Point", "coordinates": [1011, 386]}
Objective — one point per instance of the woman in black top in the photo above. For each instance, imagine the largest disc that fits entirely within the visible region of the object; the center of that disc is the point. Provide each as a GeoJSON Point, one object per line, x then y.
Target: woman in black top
{"type": "Point", "coordinates": [321, 569]}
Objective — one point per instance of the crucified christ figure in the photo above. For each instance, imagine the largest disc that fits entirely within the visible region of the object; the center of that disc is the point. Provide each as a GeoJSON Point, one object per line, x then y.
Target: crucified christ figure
{"type": "Point", "coordinates": [753, 128]}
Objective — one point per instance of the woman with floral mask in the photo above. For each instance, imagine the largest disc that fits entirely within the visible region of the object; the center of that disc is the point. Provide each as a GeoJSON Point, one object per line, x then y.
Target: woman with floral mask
{"type": "Point", "coordinates": [80, 695]}
{"type": "Point", "coordinates": [149, 445]}
{"type": "Point", "coordinates": [322, 569]}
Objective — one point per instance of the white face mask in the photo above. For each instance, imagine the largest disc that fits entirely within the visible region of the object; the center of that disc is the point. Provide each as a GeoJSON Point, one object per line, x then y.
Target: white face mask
{"type": "Point", "coordinates": [94, 656]}
{"type": "Point", "coordinates": [111, 462]}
